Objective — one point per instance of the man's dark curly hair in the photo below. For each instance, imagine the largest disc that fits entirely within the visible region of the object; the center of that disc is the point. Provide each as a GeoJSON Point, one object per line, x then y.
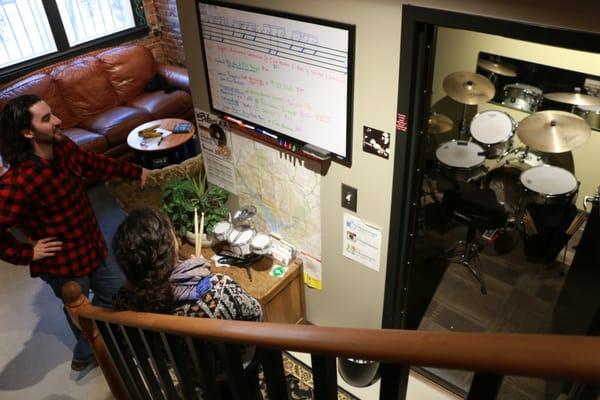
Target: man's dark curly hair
{"type": "Point", "coordinates": [144, 246]}
{"type": "Point", "coordinates": [14, 117]}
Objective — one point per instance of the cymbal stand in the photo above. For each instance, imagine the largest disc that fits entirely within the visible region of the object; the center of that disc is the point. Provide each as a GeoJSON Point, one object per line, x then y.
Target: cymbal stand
{"type": "Point", "coordinates": [462, 125]}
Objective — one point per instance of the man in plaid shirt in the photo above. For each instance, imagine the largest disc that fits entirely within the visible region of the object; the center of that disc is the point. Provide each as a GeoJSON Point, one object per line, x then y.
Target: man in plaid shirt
{"type": "Point", "coordinates": [43, 194]}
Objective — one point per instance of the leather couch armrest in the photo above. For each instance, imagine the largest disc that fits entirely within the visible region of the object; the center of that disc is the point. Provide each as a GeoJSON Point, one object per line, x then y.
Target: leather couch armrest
{"type": "Point", "coordinates": [175, 76]}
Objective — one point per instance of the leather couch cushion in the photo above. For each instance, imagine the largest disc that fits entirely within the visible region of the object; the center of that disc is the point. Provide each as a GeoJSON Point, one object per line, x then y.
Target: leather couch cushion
{"type": "Point", "coordinates": [87, 140]}
{"type": "Point", "coordinates": [116, 123]}
{"type": "Point", "coordinates": [85, 87]}
{"type": "Point", "coordinates": [42, 86]}
{"type": "Point", "coordinates": [129, 69]}
{"type": "Point", "coordinates": [163, 105]}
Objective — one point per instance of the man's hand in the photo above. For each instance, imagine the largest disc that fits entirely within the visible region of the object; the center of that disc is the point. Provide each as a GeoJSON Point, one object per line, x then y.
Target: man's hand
{"type": "Point", "coordinates": [143, 178]}
{"type": "Point", "coordinates": [46, 247]}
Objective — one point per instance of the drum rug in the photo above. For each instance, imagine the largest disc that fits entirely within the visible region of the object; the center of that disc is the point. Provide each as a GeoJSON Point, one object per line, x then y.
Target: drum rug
{"type": "Point", "coordinates": [300, 381]}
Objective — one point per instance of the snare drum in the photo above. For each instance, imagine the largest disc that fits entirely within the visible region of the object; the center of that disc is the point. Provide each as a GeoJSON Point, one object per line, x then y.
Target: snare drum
{"type": "Point", "coordinates": [260, 244]}
{"type": "Point", "coordinates": [460, 160]}
{"type": "Point", "coordinates": [494, 131]}
{"type": "Point", "coordinates": [549, 185]}
{"type": "Point", "coordinates": [591, 114]}
{"type": "Point", "coordinates": [523, 97]}
{"type": "Point", "coordinates": [239, 239]}
{"type": "Point", "coordinates": [221, 229]}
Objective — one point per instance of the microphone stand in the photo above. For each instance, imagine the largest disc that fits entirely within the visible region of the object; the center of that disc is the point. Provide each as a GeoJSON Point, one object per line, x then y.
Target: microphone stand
{"type": "Point", "coordinates": [462, 125]}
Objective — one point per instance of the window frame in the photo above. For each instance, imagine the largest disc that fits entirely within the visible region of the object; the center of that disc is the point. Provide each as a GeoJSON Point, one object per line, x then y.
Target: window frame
{"type": "Point", "coordinates": [65, 51]}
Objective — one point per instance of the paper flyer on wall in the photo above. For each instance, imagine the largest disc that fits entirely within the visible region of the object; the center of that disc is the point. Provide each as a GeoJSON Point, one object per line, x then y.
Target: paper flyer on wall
{"type": "Point", "coordinates": [312, 271]}
{"type": "Point", "coordinates": [362, 242]}
{"type": "Point", "coordinates": [217, 150]}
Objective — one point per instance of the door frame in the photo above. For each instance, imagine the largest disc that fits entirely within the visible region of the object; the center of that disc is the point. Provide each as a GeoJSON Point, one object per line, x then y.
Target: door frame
{"type": "Point", "coordinates": [417, 58]}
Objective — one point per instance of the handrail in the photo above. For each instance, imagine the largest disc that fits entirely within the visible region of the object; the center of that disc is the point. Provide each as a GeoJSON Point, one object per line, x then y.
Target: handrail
{"type": "Point", "coordinates": [574, 358]}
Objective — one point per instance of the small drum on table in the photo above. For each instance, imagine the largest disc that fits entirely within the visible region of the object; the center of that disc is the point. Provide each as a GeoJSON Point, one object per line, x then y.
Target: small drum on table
{"type": "Point", "coordinates": [494, 131]}
{"type": "Point", "coordinates": [522, 97]}
{"type": "Point", "coordinates": [260, 244]}
{"type": "Point", "coordinates": [221, 230]}
{"type": "Point", "coordinates": [460, 161]}
{"type": "Point", "coordinates": [239, 239]}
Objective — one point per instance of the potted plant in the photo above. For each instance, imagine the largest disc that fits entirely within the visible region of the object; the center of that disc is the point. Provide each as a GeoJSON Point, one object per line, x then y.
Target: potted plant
{"type": "Point", "coordinates": [180, 197]}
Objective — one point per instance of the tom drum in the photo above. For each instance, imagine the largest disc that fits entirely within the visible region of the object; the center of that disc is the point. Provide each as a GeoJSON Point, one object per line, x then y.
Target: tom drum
{"type": "Point", "coordinates": [494, 131]}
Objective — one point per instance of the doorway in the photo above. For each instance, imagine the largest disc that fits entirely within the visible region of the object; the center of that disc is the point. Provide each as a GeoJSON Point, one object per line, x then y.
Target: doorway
{"type": "Point", "coordinates": [468, 250]}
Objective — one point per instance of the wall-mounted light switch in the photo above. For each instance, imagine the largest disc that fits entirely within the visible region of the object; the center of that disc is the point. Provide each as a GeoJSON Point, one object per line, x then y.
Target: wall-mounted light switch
{"type": "Point", "coordinates": [349, 197]}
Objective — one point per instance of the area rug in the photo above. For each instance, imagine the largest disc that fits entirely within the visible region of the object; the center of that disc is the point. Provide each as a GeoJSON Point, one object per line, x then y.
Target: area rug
{"type": "Point", "coordinates": [300, 381]}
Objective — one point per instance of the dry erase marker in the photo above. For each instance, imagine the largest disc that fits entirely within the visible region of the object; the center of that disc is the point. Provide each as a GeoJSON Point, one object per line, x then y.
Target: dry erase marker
{"type": "Point", "coordinates": [260, 130]}
{"type": "Point", "coordinates": [228, 118]}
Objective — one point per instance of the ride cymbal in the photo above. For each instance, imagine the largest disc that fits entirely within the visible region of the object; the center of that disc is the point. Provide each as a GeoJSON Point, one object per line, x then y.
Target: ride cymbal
{"type": "Point", "coordinates": [576, 99]}
{"type": "Point", "coordinates": [497, 68]}
{"type": "Point", "coordinates": [439, 123]}
{"type": "Point", "coordinates": [553, 131]}
{"type": "Point", "coordinates": [468, 87]}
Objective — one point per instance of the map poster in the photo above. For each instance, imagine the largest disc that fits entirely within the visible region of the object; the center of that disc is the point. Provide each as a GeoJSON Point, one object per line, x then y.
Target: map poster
{"type": "Point", "coordinates": [287, 195]}
{"type": "Point", "coordinates": [362, 242]}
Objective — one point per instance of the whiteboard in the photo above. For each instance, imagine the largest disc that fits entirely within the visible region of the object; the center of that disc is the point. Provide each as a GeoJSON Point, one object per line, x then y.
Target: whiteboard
{"type": "Point", "coordinates": [288, 74]}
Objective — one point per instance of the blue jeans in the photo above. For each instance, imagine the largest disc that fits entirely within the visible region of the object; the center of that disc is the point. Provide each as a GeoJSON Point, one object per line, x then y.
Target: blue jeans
{"type": "Point", "coordinates": [105, 281]}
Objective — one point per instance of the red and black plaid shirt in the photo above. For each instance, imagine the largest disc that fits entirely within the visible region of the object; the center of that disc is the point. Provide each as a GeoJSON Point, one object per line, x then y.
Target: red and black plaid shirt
{"type": "Point", "coordinates": [46, 198]}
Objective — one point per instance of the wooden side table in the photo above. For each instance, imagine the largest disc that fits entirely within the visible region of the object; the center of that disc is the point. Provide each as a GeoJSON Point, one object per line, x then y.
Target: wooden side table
{"type": "Point", "coordinates": [282, 299]}
{"type": "Point", "coordinates": [157, 153]}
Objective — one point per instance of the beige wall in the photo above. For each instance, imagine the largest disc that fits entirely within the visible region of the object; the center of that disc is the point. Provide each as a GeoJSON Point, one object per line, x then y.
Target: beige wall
{"type": "Point", "coordinates": [457, 50]}
{"type": "Point", "coordinates": [352, 294]}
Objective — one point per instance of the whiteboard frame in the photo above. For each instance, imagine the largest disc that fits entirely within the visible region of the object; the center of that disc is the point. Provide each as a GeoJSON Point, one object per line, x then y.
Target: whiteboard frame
{"type": "Point", "coordinates": [351, 32]}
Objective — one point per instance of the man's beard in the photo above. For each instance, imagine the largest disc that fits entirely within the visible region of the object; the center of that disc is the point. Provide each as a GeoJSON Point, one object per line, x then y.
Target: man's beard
{"type": "Point", "coordinates": [56, 137]}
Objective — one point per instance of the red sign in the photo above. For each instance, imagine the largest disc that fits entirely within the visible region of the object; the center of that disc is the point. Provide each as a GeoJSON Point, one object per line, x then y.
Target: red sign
{"type": "Point", "coordinates": [401, 123]}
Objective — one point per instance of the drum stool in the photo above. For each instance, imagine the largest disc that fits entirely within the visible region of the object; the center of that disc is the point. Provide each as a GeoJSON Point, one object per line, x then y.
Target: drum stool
{"type": "Point", "coordinates": [478, 210]}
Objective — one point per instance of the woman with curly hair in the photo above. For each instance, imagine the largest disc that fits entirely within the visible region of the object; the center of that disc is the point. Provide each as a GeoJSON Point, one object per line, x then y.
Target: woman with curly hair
{"type": "Point", "coordinates": [146, 248]}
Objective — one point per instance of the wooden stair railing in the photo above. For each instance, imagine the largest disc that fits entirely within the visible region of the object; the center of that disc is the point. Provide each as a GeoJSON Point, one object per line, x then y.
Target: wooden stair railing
{"type": "Point", "coordinates": [128, 346]}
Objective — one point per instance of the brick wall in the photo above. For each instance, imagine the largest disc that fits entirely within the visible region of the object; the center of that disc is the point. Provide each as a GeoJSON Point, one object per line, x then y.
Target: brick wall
{"type": "Point", "coordinates": [165, 38]}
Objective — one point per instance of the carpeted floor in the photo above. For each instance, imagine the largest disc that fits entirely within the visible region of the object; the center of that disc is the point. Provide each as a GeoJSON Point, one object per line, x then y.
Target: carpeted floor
{"type": "Point", "coordinates": [300, 383]}
{"type": "Point", "coordinates": [521, 298]}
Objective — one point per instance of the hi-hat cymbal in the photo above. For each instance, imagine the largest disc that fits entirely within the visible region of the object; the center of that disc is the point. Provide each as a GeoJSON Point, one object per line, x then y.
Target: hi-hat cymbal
{"type": "Point", "coordinates": [576, 99]}
{"type": "Point", "coordinates": [497, 68]}
{"type": "Point", "coordinates": [439, 123]}
{"type": "Point", "coordinates": [469, 87]}
{"type": "Point", "coordinates": [554, 131]}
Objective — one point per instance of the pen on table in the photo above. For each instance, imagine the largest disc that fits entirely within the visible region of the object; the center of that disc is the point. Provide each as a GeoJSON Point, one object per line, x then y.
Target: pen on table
{"type": "Point", "coordinates": [160, 141]}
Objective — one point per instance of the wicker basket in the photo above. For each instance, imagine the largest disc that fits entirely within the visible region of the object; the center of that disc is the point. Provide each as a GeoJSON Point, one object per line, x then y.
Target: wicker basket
{"type": "Point", "coordinates": [130, 196]}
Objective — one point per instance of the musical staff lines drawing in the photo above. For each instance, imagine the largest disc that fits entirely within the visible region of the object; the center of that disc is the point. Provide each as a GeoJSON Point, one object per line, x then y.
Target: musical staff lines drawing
{"type": "Point", "coordinates": [301, 47]}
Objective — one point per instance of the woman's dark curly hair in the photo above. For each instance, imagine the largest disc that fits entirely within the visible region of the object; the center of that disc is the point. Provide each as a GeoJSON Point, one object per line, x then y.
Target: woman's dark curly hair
{"type": "Point", "coordinates": [15, 117]}
{"type": "Point", "coordinates": [145, 248]}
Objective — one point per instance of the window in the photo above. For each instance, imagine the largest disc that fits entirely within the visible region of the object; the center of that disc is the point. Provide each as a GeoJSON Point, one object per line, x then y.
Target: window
{"type": "Point", "coordinates": [24, 31]}
{"type": "Point", "coordinates": [38, 32]}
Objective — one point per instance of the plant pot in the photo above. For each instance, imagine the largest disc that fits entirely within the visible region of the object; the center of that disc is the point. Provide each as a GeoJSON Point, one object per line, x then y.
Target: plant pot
{"type": "Point", "coordinates": [207, 240]}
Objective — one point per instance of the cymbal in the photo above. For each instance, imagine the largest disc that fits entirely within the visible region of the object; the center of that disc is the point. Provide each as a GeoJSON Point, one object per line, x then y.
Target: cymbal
{"type": "Point", "coordinates": [497, 68]}
{"type": "Point", "coordinates": [577, 99]}
{"type": "Point", "coordinates": [469, 87]}
{"type": "Point", "coordinates": [439, 123]}
{"type": "Point", "coordinates": [554, 131]}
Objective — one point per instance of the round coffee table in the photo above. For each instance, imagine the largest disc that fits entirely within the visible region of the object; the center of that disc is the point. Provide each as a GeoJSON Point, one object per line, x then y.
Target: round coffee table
{"type": "Point", "coordinates": [169, 148]}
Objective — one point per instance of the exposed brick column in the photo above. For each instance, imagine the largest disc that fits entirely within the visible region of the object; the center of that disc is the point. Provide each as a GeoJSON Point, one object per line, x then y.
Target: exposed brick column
{"type": "Point", "coordinates": [170, 34]}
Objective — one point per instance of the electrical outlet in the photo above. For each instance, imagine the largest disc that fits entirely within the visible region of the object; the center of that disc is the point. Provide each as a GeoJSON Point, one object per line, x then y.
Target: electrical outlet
{"type": "Point", "coordinates": [349, 197]}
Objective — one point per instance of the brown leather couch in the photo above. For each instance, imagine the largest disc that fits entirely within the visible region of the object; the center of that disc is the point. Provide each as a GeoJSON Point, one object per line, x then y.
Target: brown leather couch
{"type": "Point", "coordinates": [100, 98]}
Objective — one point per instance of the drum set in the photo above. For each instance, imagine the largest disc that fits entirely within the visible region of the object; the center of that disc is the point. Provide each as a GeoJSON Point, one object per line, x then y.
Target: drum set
{"type": "Point", "coordinates": [488, 151]}
{"type": "Point", "coordinates": [242, 238]}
